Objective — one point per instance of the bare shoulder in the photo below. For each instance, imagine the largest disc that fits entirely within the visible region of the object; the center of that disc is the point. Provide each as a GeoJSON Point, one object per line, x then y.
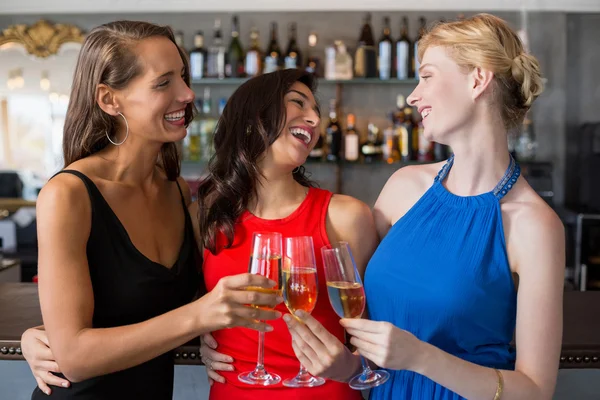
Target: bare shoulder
{"type": "Point", "coordinates": [402, 190]}
{"type": "Point", "coordinates": [350, 220]}
{"type": "Point", "coordinates": [64, 192]}
{"type": "Point", "coordinates": [347, 211]}
{"type": "Point", "coordinates": [533, 226]}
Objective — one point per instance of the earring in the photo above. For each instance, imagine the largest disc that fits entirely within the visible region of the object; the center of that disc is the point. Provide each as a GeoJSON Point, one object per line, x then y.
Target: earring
{"type": "Point", "coordinates": [126, 134]}
{"type": "Point", "coordinates": [248, 129]}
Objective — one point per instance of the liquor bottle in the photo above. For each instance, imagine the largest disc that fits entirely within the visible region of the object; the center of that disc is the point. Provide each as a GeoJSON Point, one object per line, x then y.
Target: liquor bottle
{"type": "Point", "coordinates": [526, 145]}
{"type": "Point", "coordinates": [198, 57]}
{"type": "Point", "coordinates": [191, 146]}
{"type": "Point", "coordinates": [293, 57]}
{"type": "Point", "coordinates": [416, 63]}
{"type": "Point", "coordinates": [385, 62]}
{"type": "Point", "coordinates": [351, 140]}
{"type": "Point", "coordinates": [207, 126]}
{"type": "Point", "coordinates": [216, 54]}
{"type": "Point", "coordinates": [365, 60]}
{"type": "Point", "coordinates": [372, 149]}
{"type": "Point", "coordinates": [342, 62]}
{"type": "Point", "coordinates": [253, 65]}
{"type": "Point", "coordinates": [313, 63]}
{"type": "Point", "coordinates": [425, 146]}
{"type": "Point", "coordinates": [235, 55]}
{"type": "Point", "coordinates": [405, 128]}
{"type": "Point", "coordinates": [273, 54]}
{"type": "Point", "coordinates": [404, 54]}
{"type": "Point", "coordinates": [334, 134]}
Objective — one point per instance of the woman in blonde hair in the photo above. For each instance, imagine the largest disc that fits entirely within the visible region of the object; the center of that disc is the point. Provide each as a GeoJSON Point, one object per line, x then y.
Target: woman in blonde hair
{"type": "Point", "coordinates": [442, 288]}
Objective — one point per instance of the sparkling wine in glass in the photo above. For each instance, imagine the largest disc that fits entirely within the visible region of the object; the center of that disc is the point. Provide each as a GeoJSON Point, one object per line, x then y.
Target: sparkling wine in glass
{"type": "Point", "coordinates": [265, 259]}
{"type": "Point", "coordinates": [347, 297]}
{"type": "Point", "coordinates": [300, 290]}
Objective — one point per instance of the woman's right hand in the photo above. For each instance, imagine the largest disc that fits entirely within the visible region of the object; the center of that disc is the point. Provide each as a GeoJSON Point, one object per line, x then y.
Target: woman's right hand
{"type": "Point", "coordinates": [36, 350]}
{"type": "Point", "coordinates": [230, 304]}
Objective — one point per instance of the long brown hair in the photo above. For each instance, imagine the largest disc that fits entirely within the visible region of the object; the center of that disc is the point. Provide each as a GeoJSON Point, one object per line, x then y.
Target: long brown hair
{"type": "Point", "coordinates": [251, 121]}
{"type": "Point", "coordinates": [107, 57]}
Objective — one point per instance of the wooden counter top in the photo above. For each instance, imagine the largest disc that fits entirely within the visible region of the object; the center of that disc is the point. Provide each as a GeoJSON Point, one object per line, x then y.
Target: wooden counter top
{"type": "Point", "coordinates": [19, 310]}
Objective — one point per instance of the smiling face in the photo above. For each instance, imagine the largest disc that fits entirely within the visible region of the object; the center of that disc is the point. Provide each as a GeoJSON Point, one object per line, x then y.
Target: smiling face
{"type": "Point", "coordinates": [300, 132]}
{"type": "Point", "coordinates": [444, 95]}
{"type": "Point", "coordinates": [154, 102]}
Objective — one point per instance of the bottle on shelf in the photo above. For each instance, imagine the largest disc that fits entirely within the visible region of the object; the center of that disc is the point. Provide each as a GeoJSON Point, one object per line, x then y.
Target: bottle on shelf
{"type": "Point", "coordinates": [273, 55]}
{"type": "Point", "coordinates": [526, 145]}
{"type": "Point", "coordinates": [191, 143]}
{"type": "Point", "coordinates": [253, 64]}
{"type": "Point", "coordinates": [293, 56]}
{"type": "Point", "coordinates": [334, 133]}
{"type": "Point", "coordinates": [207, 126]}
{"type": "Point", "coordinates": [234, 67]}
{"type": "Point", "coordinates": [365, 59]}
{"type": "Point", "coordinates": [372, 149]}
{"type": "Point", "coordinates": [406, 130]}
{"type": "Point", "coordinates": [391, 143]}
{"type": "Point", "coordinates": [342, 62]}
{"type": "Point", "coordinates": [385, 61]}
{"type": "Point", "coordinates": [351, 140]}
{"type": "Point", "coordinates": [198, 57]}
{"type": "Point", "coordinates": [404, 56]}
{"type": "Point", "coordinates": [425, 152]}
{"type": "Point", "coordinates": [313, 63]}
{"type": "Point", "coordinates": [422, 30]}
{"type": "Point", "coordinates": [216, 54]}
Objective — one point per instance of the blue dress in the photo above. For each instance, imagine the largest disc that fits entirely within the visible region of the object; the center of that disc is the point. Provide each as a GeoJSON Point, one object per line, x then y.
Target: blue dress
{"type": "Point", "coordinates": [442, 273]}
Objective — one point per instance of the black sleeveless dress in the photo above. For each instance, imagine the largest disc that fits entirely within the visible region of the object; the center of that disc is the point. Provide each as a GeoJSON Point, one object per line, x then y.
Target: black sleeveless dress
{"type": "Point", "coordinates": [129, 288]}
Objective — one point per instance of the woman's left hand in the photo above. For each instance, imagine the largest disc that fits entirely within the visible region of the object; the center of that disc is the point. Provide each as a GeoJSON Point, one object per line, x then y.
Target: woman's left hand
{"type": "Point", "coordinates": [385, 344]}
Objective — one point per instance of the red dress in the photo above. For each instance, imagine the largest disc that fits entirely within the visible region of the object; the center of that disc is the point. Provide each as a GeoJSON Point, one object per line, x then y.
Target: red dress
{"type": "Point", "coordinates": [242, 343]}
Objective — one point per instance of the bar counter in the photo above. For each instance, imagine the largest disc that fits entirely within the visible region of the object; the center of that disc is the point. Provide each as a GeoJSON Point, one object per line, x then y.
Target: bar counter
{"type": "Point", "coordinates": [19, 310]}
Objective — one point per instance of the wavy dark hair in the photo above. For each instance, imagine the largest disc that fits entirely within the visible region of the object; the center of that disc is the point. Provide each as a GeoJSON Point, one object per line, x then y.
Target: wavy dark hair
{"type": "Point", "coordinates": [107, 56]}
{"type": "Point", "coordinates": [252, 120]}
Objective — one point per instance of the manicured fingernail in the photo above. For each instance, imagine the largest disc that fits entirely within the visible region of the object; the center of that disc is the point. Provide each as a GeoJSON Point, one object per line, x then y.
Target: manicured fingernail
{"type": "Point", "coordinates": [269, 328]}
{"type": "Point", "coordinates": [279, 299]}
{"type": "Point", "coordinates": [272, 282]}
{"type": "Point", "coordinates": [300, 314]}
{"type": "Point", "coordinates": [65, 384]}
{"type": "Point", "coordinates": [231, 368]}
{"type": "Point", "coordinates": [229, 359]}
{"type": "Point", "coordinates": [278, 314]}
{"type": "Point", "coordinates": [47, 392]}
{"type": "Point", "coordinates": [287, 318]}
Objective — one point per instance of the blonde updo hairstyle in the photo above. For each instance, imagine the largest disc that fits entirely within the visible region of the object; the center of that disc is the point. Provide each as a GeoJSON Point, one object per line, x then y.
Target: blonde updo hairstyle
{"type": "Point", "coordinates": [488, 42]}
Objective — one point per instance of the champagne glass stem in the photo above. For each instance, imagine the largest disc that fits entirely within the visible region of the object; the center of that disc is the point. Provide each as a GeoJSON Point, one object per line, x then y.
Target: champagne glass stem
{"type": "Point", "coordinates": [260, 365]}
{"type": "Point", "coordinates": [367, 373]}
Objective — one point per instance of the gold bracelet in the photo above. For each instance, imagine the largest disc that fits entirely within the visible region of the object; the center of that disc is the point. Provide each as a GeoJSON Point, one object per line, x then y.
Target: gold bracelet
{"type": "Point", "coordinates": [500, 387]}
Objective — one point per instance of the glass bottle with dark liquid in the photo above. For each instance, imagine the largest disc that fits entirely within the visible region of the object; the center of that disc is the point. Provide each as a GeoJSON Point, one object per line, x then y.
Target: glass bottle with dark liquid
{"type": "Point", "coordinates": [334, 134]}
{"type": "Point", "coordinates": [365, 61]}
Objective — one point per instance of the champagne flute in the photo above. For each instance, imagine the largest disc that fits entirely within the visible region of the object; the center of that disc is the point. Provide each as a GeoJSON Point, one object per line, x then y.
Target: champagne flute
{"type": "Point", "coordinates": [265, 259]}
{"type": "Point", "coordinates": [300, 290]}
{"type": "Point", "coordinates": [347, 297]}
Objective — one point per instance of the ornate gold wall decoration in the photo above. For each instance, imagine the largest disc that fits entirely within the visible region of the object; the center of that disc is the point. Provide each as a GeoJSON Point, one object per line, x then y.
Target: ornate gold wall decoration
{"type": "Point", "coordinates": [41, 39]}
